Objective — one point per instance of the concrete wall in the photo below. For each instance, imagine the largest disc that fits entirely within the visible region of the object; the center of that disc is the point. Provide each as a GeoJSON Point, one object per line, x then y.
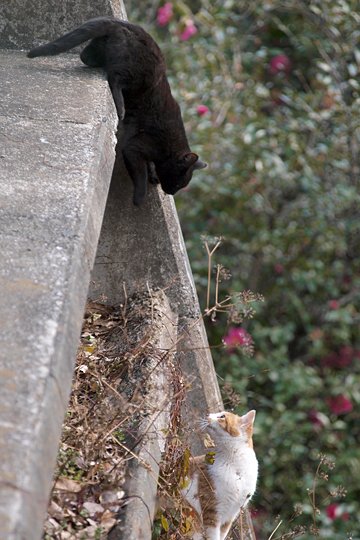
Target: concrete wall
{"type": "Point", "coordinates": [57, 149]}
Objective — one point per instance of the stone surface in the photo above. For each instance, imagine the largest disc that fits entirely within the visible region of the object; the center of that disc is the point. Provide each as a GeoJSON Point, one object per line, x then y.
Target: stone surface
{"type": "Point", "coordinates": [56, 157]}
{"type": "Point", "coordinates": [25, 23]}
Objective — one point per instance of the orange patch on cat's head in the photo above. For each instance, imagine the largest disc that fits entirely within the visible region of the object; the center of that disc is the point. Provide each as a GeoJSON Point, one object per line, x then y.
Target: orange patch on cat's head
{"type": "Point", "coordinates": [232, 424]}
{"type": "Point", "coordinates": [235, 425]}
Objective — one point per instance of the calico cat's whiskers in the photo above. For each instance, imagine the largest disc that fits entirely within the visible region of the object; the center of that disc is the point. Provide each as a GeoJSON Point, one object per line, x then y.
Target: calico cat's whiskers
{"type": "Point", "coordinates": [203, 424]}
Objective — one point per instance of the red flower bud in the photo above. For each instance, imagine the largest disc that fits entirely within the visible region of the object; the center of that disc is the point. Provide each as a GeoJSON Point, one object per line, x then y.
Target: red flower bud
{"type": "Point", "coordinates": [202, 109]}
{"type": "Point", "coordinates": [280, 64]}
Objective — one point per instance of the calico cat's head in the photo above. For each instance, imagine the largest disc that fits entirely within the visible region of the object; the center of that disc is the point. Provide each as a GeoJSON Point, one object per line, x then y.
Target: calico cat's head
{"type": "Point", "coordinates": [175, 174]}
{"type": "Point", "coordinates": [224, 426]}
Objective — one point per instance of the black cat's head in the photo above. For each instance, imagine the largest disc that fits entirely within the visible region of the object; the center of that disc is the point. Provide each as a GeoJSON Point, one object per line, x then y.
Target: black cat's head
{"type": "Point", "coordinates": [175, 174]}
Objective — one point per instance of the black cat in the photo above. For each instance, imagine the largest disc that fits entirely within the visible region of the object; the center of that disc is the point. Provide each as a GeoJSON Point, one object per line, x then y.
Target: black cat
{"type": "Point", "coordinates": [154, 138]}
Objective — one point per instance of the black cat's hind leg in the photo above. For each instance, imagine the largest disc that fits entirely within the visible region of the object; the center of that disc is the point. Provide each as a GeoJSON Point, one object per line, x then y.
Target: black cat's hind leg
{"type": "Point", "coordinates": [138, 171]}
{"type": "Point", "coordinates": [117, 95]}
{"type": "Point", "coordinates": [153, 177]}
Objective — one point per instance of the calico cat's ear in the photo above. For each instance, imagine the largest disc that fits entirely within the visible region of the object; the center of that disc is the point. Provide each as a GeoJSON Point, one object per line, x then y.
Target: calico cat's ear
{"type": "Point", "coordinates": [248, 418]}
{"type": "Point", "coordinates": [247, 424]}
{"type": "Point", "coordinates": [192, 159]}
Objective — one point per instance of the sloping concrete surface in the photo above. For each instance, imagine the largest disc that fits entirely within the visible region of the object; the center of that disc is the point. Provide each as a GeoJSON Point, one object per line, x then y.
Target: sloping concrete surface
{"type": "Point", "coordinates": [56, 157]}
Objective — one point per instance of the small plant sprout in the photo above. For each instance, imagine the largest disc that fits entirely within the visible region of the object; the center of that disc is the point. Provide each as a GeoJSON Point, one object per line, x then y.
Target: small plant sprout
{"type": "Point", "coordinates": [238, 306]}
{"type": "Point", "coordinates": [210, 252]}
{"type": "Point", "coordinates": [325, 463]}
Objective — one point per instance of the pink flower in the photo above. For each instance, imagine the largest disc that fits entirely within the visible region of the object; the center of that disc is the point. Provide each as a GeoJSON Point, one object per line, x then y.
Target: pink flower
{"type": "Point", "coordinates": [189, 31]}
{"type": "Point", "coordinates": [238, 337]}
{"type": "Point", "coordinates": [279, 268]}
{"type": "Point", "coordinates": [340, 404]}
{"type": "Point", "coordinates": [334, 304]}
{"type": "Point", "coordinates": [334, 511]}
{"type": "Point", "coordinates": [202, 109]}
{"type": "Point", "coordinates": [280, 64]}
{"type": "Point", "coordinates": [164, 14]}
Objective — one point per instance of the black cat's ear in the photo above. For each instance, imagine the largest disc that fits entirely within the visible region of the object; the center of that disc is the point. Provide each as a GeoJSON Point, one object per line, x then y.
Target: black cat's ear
{"type": "Point", "coordinates": [189, 159]}
{"type": "Point", "coordinates": [200, 164]}
{"type": "Point", "coordinates": [192, 159]}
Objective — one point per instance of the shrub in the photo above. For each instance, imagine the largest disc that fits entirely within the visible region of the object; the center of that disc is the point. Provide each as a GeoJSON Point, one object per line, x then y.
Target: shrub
{"type": "Point", "coordinates": [270, 95]}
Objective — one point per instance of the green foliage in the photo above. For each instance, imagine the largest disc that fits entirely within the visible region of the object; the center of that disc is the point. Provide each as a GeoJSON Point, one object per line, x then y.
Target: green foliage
{"type": "Point", "coordinates": [68, 464]}
{"type": "Point", "coordinates": [282, 188]}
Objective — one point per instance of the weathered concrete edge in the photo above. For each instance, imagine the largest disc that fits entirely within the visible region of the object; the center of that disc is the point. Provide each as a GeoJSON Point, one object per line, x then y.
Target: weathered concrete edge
{"type": "Point", "coordinates": [28, 507]}
{"type": "Point", "coordinates": [136, 517]}
{"type": "Point", "coordinates": [66, 342]}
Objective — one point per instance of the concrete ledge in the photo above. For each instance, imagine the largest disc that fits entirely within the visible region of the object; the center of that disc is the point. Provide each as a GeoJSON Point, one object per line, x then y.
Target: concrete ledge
{"type": "Point", "coordinates": [56, 158]}
{"type": "Point", "coordinates": [25, 23]}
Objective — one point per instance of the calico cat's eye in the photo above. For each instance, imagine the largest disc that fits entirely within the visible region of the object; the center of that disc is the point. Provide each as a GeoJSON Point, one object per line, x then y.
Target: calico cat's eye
{"type": "Point", "coordinates": [221, 417]}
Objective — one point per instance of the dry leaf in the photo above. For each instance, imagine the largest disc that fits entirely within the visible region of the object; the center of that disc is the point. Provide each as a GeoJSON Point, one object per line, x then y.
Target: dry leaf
{"type": "Point", "coordinates": [208, 442]}
{"type": "Point", "coordinates": [83, 368]}
{"type": "Point", "coordinates": [66, 484]}
{"type": "Point", "coordinates": [93, 508]}
{"type": "Point", "coordinates": [107, 520]}
{"type": "Point", "coordinates": [55, 511]}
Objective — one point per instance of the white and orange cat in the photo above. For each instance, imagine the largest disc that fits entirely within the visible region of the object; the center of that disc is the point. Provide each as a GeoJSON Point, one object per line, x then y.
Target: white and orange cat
{"type": "Point", "coordinates": [223, 481]}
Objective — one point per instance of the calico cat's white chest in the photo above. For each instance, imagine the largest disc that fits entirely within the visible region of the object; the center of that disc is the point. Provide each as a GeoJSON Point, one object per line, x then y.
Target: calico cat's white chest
{"type": "Point", "coordinates": [235, 481]}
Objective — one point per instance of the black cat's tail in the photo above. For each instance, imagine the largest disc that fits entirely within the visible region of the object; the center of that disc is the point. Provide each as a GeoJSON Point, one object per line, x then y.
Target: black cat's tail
{"type": "Point", "coordinates": [101, 26]}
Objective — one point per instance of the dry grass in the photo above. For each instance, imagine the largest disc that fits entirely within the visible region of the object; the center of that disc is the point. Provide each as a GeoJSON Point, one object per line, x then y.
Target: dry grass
{"type": "Point", "coordinates": [100, 431]}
